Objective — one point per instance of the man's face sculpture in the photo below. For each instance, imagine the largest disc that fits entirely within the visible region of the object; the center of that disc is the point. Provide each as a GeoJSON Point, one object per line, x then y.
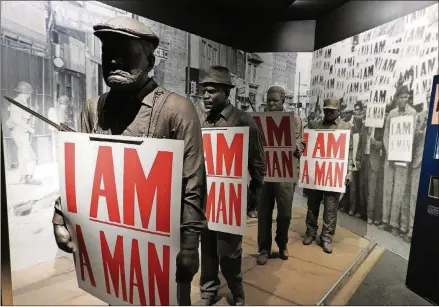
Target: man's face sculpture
{"type": "Point", "coordinates": [214, 97]}
{"type": "Point", "coordinates": [274, 101]}
{"type": "Point", "coordinates": [331, 114]}
{"type": "Point", "coordinates": [125, 62]}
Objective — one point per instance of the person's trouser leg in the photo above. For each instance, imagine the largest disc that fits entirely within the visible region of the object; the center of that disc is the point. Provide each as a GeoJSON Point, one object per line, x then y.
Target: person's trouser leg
{"type": "Point", "coordinates": [313, 204]}
{"type": "Point", "coordinates": [265, 217]}
{"type": "Point", "coordinates": [230, 257]}
{"type": "Point", "coordinates": [399, 193]}
{"type": "Point", "coordinates": [284, 194]}
{"type": "Point", "coordinates": [389, 172]}
{"type": "Point", "coordinates": [371, 194]}
{"type": "Point", "coordinates": [209, 281]}
{"type": "Point", "coordinates": [362, 188]}
{"type": "Point", "coordinates": [353, 192]}
{"type": "Point", "coordinates": [330, 200]}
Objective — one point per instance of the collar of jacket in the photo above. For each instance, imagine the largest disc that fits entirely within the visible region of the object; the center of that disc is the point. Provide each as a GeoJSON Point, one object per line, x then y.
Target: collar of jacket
{"type": "Point", "coordinates": [225, 113]}
{"type": "Point", "coordinates": [334, 122]}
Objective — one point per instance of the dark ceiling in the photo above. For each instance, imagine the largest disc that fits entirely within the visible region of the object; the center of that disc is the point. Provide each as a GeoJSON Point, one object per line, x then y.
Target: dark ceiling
{"type": "Point", "coordinates": [235, 23]}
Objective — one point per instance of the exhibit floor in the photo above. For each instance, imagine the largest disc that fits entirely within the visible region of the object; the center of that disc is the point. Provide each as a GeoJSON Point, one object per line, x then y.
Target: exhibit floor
{"type": "Point", "coordinates": [301, 280]}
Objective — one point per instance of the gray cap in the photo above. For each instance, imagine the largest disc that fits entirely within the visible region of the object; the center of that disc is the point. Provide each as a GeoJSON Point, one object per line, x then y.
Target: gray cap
{"type": "Point", "coordinates": [127, 26]}
{"type": "Point", "coordinates": [331, 103]}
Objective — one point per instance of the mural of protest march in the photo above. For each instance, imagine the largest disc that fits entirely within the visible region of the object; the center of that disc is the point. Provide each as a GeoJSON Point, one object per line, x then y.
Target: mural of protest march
{"type": "Point", "coordinates": [383, 78]}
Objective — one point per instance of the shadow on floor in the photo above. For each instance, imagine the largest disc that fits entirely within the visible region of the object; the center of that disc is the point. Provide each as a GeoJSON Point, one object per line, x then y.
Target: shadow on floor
{"type": "Point", "coordinates": [385, 285]}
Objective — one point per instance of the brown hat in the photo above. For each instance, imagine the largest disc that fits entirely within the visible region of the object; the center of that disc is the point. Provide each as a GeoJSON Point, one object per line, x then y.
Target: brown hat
{"type": "Point", "coordinates": [218, 75]}
{"type": "Point", "coordinates": [126, 26]}
{"type": "Point", "coordinates": [331, 103]}
{"type": "Point", "coordinates": [24, 87]}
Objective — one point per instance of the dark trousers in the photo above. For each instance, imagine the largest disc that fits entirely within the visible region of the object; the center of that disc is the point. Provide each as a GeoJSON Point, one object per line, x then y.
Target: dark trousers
{"type": "Point", "coordinates": [330, 203]}
{"type": "Point", "coordinates": [283, 194]}
{"type": "Point", "coordinates": [219, 249]}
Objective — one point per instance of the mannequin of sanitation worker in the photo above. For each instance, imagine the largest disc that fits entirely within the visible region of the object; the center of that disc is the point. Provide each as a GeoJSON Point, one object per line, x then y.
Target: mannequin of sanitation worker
{"type": "Point", "coordinates": [137, 106]}
{"type": "Point", "coordinates": [219, 249]}
{"type": "Point", "coordinates": [280, 192]}
{"type": "Point", "coordinates": [331, 121]}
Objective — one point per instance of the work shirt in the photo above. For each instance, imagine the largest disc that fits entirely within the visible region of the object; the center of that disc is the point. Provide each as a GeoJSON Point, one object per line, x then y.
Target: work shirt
{"type": "Point", "coordinates": [19, 118]}
{"type": "Point", "coordinates": [121, 114]}
{"type": "Point", "coordinates": [233, 117]}
{"type": "Point", "coordinates": [339, 124]}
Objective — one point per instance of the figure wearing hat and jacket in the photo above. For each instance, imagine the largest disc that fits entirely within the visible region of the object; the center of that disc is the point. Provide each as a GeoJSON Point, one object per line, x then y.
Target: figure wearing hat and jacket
{"type": "Point", "coordinates": [220, 249]}
{"type": "Point", "coordinates": [21, 131]}
{"type": "Point", "coordinates": [137, 106]}
{"type": "Point", "coordinates": [396, 174]}
{"type": "Point", "coordinates": [280, 192]}
{"type": "Point", "coordinates": [331, 121]}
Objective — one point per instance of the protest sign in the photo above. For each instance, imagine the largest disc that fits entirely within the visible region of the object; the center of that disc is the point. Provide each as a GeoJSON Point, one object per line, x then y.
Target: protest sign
{"type": "Point", "coordinates": [423, 71]}
{"type": "Point", "coordinates": [226, 158]}
{"type": "Point", "coordinates": [324, 163]}
{"type": "Point", "coordinates": [121, 201]}
{"type": "Point", "coordinates": [401, 133]}
{"type": "Point", "coordinates": [279, 139]}
{"type": "Point", "coordinates": [376, 106]}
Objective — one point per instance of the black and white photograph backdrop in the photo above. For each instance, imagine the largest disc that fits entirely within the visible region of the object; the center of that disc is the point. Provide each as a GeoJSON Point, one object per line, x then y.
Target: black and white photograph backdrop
{"type": "Point", "coordinates": [51, 62]}
{"type": "Point", "coordinates": [383, 78]}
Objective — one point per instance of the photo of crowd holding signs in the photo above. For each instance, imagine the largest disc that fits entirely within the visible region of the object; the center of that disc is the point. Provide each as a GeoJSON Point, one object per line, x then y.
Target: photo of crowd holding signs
{"type": "Point", "coordinates": [383, 79]}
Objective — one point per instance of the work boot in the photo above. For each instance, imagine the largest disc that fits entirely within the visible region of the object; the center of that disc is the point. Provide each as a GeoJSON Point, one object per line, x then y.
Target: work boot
{"type": "Point", "coordinates": [262, 259]}
{"type": "Point", "coordinates": [383, 226]}
{"type": "Point", "coordinates": [370, 221]}
{"type": "Point", "coordinates": [358, 215]}
{"type": "Point", "coordinates": [283, 254]}
{"type": "Point", "coordinates": [327, 247]}
{"type": "Point", "coordinates": [209, 301]}
{"type": "Point", "coordinates": [395, 231]}
{"type": "Point", "coordinates": [253, 214]}
{"type": "Point", "coordinates": [238, 296]}
{"type": "Point", "coordinates": [308, 240]}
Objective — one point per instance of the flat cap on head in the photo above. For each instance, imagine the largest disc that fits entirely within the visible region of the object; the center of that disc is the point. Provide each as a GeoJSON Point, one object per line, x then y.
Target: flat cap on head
{"type": "Point", "coordinates": [126, 26]}
{"type": "Point", "coordinates": [218, 74]}
{"type": "Point", "coordinates": [331, 104]}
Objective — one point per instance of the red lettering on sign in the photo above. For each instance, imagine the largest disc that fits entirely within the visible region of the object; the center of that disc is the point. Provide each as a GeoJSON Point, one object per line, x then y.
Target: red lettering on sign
{"type": "Point", "coordinates": [158, 183]}
{"type": "Point", "coordinates": [217, 203]}
{"type": "Point", "coordinates": [336, 148]}
{"type": "Point", "coordinates": [70, 176]}
{"type": "Point", "coordinates": [305, 175]}
{"type": "Point", "coordinates": [84, 260]}
{"type": "Point", "coordinates": [115, 264]}
{"type": "Point", "coordinates": [305, 137]}
{"type": "Point", "coordinates": [319, 173]}
{"type": "Point", "coordinates": [104, 172]}
{"type": "Point", "coordinates": [228, 154]}
{"type": "Point", "coordinates": [319, 146]}
{"type": "Point", "coordinates": [283, 131]}
{"type": "Point", "coordinates": [136, 277]}
{"type": "Point", "coordinates": [273, 166]}
{"type": "Point", "coordinates": [158, 275]}
{"type": "Point", "coordinates": [333, 149]}
{"type": "Point", "coordinates": [329, 174]}
{"type": "Point", "coordinates": [210, 203]}
{"type": "Point", "coordinates": [208, 154]}
{"type": "Point", "coordinates": [221, 205]}
{"type": "Point", "coordinates": [259, 123]}
{"type": "Point", "coordinates": [339, 170]}
{"type": "Point", "coordinates": [235, 204]}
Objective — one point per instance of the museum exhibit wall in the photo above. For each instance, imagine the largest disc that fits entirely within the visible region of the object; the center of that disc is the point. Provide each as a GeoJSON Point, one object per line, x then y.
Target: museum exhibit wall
{"type": "Point", "coordinates": [54, 50]}
{"type": "Point", "coordinates": [365, 71]}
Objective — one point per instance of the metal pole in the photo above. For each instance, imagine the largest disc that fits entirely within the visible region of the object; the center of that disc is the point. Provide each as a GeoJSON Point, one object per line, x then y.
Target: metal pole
{"type": "Point", "coordinates": [188, 78]}
{"type": "Point", "coordinates": [348, 272]}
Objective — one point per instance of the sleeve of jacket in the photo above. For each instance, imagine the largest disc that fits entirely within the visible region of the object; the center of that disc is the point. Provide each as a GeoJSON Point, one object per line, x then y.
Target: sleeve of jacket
{"type": "Point", "coordinates": [386, 132]}
{"type": "Point", "coordinates": [351, 164]}
{"type": "Point", "coordinates": [88, 115]}
{"type": "Point", "coordinates": [300, 141]}
{"type": "Point", "coordinates": [186, 125]}
{"type": "Point", "coordinates": [362, 139]}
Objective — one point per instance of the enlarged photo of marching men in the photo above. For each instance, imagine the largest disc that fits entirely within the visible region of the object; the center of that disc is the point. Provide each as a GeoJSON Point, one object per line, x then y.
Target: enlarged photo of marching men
{"type": "Point", "coordinates": [380, 94]}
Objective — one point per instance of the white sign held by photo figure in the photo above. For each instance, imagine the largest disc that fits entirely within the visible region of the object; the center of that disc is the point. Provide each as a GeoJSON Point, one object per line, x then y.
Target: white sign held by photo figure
{"type": "Point", "coordinates": [121, 199]}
